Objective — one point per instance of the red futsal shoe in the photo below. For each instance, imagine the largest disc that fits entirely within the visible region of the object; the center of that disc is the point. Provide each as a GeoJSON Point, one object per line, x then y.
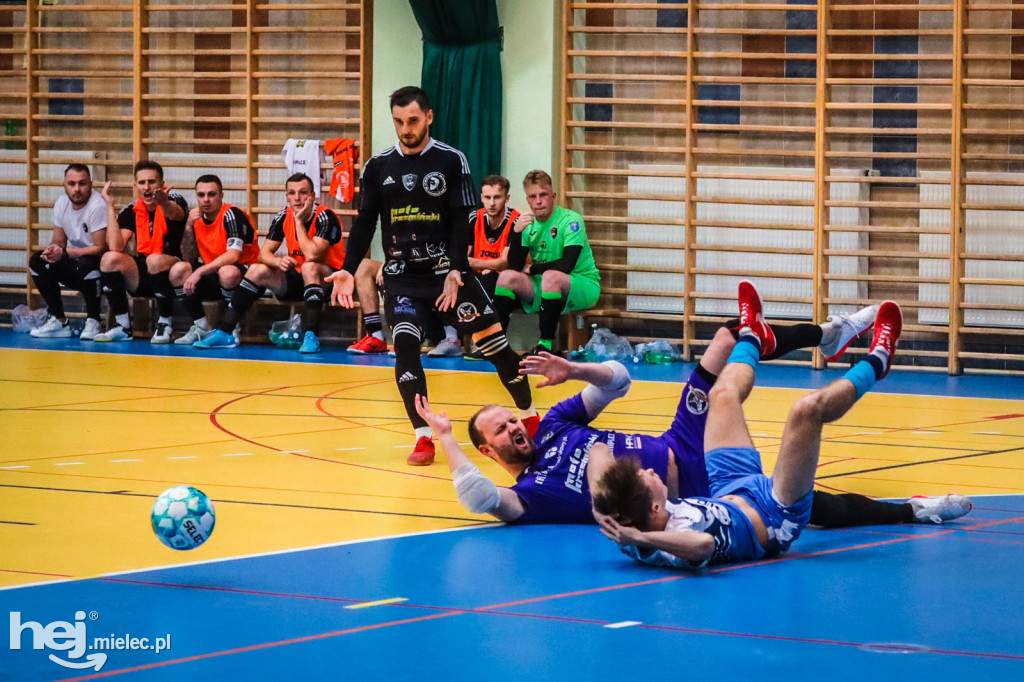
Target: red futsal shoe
{"type": "Point", "coordinates": [751, 315]}
{"type": "Point", "coordinates": [423, 454]}
{"type": "Point", "coordinates": [888, 326]}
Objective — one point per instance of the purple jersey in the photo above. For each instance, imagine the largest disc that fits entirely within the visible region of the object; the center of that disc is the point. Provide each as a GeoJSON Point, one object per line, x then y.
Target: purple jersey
{"type": "Point", "coordinates": [554, 486]}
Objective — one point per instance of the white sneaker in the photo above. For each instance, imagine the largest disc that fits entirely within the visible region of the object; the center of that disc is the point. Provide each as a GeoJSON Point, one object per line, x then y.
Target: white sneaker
{"type": "Point", "coordinates": [846, 328]}
{"type": "Point", "coordinates": [52, 329]}
{"type": "Point", "coordinates": [115, 333]}
{"type": "Point", "coordinates": [162, 333]}
{"type": "Point", "coordinates": [194, 334]}
{"type": "Point", "coordinates": [939, 509]}
{"type": "Point", "coordinates": [446, 349]}
{"type": "Point", "coordinates": [90, 330]}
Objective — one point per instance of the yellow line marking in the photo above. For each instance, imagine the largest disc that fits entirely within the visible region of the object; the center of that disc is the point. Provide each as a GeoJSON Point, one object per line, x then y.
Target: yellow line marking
{"type": "Point", "coordinates": [382, 602]}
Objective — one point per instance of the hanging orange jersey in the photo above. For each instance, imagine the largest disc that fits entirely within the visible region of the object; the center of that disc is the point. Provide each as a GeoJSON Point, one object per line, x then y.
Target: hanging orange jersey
{"type": "Point", "coordinates": [324, 224]}
{"type": "Point", "coordinates": [230, 230]}
{"type": "Point", "coordinates": [483, 246]}
{"type": "Point", "coordinates": [344, 153]}
{"type": "Point", "coordinates": [149, 242]}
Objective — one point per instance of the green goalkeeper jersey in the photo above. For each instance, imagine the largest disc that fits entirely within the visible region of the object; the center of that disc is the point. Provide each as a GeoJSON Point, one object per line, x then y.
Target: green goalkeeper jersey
{"type": "Point", "coordinates": [547, 241]}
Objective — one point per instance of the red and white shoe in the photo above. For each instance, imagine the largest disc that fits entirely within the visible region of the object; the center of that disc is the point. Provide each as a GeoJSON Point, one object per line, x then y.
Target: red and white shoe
{"type": "Point", "coordinates": [888, 326]}
{"type": "Point", "coordinates": [423, 454]}
{"type": "Point", "coordinates": [751, 315]}
{"type": "Point", "coordinates": [532, 425]}
{"type": "Point", "coordinates": [369, 344]}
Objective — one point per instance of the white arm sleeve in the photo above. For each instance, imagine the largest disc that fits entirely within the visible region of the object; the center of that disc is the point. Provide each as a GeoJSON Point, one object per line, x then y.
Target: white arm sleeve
{"type": "Point", "coordinates": [476, 492]}
{"type": "Point", "coordinates": [596, 398]}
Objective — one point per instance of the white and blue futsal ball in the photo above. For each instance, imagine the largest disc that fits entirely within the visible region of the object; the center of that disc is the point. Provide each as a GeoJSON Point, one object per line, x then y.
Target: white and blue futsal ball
{"type": "Point", "coordinates": [183, 517]}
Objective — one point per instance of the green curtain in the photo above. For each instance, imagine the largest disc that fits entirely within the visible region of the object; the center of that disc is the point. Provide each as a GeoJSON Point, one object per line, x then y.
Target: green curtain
{"type": "Point", "coordinates": [462, 76]}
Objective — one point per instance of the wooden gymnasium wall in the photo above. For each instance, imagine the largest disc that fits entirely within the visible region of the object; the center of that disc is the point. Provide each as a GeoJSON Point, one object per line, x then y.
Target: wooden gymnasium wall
{"type": "Point", "coordinates": [838, 152]}
{"type": "Point", "coordinates": [198, 86]}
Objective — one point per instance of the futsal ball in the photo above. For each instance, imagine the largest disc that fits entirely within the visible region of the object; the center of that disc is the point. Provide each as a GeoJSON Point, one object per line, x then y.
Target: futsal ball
{"type": "Point", "coordinates": [183, 517]}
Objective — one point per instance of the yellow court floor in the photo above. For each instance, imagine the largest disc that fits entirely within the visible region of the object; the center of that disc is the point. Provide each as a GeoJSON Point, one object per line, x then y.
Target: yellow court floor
{"type": "Point", "coordinates": [300, 454]}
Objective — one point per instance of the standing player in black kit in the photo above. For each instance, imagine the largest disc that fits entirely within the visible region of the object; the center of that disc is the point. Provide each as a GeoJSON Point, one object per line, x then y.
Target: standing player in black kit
{"type": "Point", "coordinates": [421, 190]}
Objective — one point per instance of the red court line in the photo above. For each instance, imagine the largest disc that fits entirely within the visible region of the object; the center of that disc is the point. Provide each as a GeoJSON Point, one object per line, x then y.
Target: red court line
{"type": "Point", "coordinates": [492, 609]}
{"type": "Point", "coordinates": [53, 575]}
{"type": "Point", "coordinates": [214, 420]}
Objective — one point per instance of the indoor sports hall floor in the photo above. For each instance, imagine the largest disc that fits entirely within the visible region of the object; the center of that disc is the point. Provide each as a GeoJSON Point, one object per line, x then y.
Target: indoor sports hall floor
{"type": "Point", "coordinates": [332, 559]}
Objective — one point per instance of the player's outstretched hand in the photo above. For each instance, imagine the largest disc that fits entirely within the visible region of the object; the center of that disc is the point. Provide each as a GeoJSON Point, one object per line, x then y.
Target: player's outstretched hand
{"type": "Point", "coordinates": [450, 293]}
{"type": "Point", "coordinates": [344, 284]}
{"type": "Point", "coordinates": [438, 422]}
{"type": "Point", "coordinates": [553, 368]}
{"type": "Point", "coordinates": [613, 530]}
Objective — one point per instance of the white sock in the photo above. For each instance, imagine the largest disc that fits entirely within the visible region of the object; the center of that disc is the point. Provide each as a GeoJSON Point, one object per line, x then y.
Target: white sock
{"type": "Point", "coordinates": [423, 432]}
{"type": "Point", "coordinates": [882, 354]}
{"type": "Point", "coordinates": [829, 331]}
{"type": "Point", "coordinates": [450, 334]}
{"type": "Point", "coordinates": [378, 335]}
{"type": "Point", "coordinates": [123, 320]}
{"type": "Point", "coordinates": [531, 411]}
{"type": "Point", "coordinates": [202, 324]}
{"type": "Point", "coordinates": [164, 320]}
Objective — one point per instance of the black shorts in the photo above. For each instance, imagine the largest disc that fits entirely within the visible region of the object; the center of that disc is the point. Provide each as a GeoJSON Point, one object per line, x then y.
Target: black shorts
{"type": "Point", "coordinates": [489, 281]}
{"type": "Point", "coordinates": [472, 312]}
{"type": "Point", "coordinates": [295, 286]}
{"type": "Point", "coordinates": [208, 287]}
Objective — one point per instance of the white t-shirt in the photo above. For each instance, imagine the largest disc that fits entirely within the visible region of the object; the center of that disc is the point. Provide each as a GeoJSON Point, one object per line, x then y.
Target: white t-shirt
{"type": "Point", "coordinates": [304, 156]}
{"type": "Point", "coordinates": [79, 225]}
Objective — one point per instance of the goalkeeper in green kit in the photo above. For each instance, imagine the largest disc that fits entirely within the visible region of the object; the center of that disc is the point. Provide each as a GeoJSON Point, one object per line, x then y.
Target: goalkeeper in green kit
{"type": "Point", "coordinates": [561, 276]}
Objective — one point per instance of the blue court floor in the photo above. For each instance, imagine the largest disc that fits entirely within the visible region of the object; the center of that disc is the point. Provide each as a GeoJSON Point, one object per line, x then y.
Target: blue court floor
{"type": "Point", "coordinates": [560, 603]}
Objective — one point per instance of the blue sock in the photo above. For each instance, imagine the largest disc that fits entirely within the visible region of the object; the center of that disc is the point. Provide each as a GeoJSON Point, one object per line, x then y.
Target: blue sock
{"type": "Point", "coordinates": [862, 376]}
{"type": "Point", "coordinates": [747, 351]}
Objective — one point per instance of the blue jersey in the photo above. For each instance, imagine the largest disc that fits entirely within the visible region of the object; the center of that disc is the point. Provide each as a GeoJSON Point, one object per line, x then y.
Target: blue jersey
{"type": "Point", "coordinates": [553, 488]}
{"type": "Point", "coordinates": [735, 539]}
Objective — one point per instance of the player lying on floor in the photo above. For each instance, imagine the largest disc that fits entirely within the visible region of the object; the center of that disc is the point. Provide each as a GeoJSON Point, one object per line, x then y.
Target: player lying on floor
{"type": "Point", "coordinates": [549, 462]}
{"type": "Point", "coordinates": [747, 515]}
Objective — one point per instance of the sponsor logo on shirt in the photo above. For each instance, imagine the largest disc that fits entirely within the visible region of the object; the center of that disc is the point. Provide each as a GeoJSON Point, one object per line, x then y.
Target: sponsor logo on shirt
{"type": "Point", "coordinates": [394, 267]}
{"type": "Point", "coordinates": [388, 181]}
{"type": "Point", "coordinates": [573, 227]}
{"type": "Point", "coordinates": [554, 232]}
{"type": "Point", "coordinates": [434, 184]}
{"type": "Point", "coordinates": [413, 214]}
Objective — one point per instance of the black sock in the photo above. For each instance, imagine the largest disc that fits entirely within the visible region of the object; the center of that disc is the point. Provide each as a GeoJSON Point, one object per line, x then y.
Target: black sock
{"type": "Point", "coordinates": [46, 283]}
{"type": "Point", "coordinates": [242, 299]}
{"type": "Point", "coordinates": [876, 364]}
{"type": "Point", "coordinates": [164, 292]}
{"type": "Point", "coordinates": [193, 304]}
{"type": "Point", "coordinates": [372, 323]}
{"type": "Point", "coordinates": [91, 294]}
{"type": "Point", "coordinates": [117, 295]}
{"type": "Point", "coordinates": [830, 510]}
{"type": "Point", "coordinates": [505, 360]}
{"type": "Point", "coordinates": [313, 295]}
{"type": "Point", "coordinates": [504, 304]}
{"type": "Point", "coordinates": [788, 338]}
{"type": "Point", "coordinates": [551, 306]}
{"type": "Point", "coordinates": [409, 369]}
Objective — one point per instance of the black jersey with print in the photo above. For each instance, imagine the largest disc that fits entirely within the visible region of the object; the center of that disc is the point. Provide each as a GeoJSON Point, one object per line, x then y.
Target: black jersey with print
{"type": "Point", "coordinates": [421, 200]}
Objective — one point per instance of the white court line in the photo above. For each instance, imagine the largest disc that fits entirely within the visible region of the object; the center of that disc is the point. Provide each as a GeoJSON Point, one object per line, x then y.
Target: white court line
{"type": "Point", "coordinates": [20, 466]}
{"type": "Point", "coordinates": [238, 454]}
{"type": "Point", "coordinates": [987, 433]}
{"type": "Point", "coordinates": [623, 624]}
{"type": "Point", "coordinates": [67, 464]}
{"type": "Point", "coordinates": [184, 457]}
{"type": "Point", "coordinates": [118, 461]}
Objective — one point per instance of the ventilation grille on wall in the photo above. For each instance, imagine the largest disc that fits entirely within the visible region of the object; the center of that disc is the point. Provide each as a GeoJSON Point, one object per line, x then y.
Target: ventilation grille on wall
{"type": "Point", "coordinates": [751, 238]}
{"type": "Point", "coordinates": [994, 232]}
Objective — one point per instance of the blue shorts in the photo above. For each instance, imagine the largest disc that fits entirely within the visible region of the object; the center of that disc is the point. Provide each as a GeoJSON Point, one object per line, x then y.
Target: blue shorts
{"type": "Point", "coordinates": [738, 471]}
